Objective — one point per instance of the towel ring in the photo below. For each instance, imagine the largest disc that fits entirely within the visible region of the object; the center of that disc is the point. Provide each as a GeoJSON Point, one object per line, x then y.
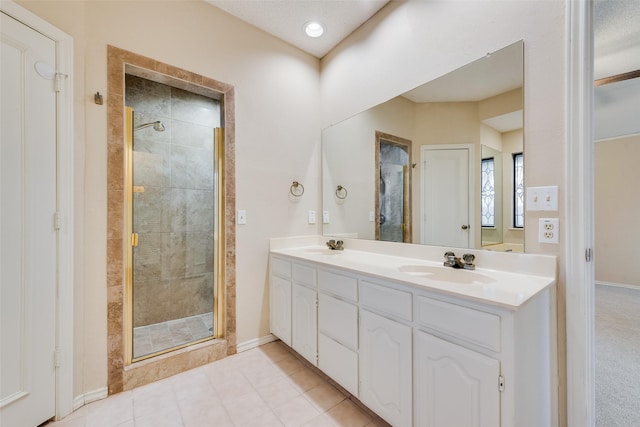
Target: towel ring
{"type": "Point", "coordinates": [341, 192]}
{"type": "Point", "coordinates": [297, 189]}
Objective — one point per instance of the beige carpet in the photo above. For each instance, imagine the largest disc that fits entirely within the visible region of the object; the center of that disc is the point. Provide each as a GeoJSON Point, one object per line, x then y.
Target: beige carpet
{"type": "Point", "coordinates": [617, 333]}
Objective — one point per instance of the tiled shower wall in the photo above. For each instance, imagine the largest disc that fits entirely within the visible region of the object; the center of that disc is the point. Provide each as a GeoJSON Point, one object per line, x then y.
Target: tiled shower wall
{"type": "Point", "coordinates": [173, 201]}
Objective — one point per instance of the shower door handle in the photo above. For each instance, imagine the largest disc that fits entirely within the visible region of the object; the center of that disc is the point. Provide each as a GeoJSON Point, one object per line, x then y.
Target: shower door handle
{"type": "Point", "coordinates": [134, 239]}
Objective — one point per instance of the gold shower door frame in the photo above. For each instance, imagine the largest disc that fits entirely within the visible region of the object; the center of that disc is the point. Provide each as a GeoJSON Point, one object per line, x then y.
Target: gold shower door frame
{"type": "Point", "coordinates": [406, 145]}
{"type": "Point", "coordinates": [131, 240]}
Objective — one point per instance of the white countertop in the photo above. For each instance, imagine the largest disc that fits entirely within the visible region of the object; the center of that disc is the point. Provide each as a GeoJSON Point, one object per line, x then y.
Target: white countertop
{"type": "Point", "coordinates": [501, 287]}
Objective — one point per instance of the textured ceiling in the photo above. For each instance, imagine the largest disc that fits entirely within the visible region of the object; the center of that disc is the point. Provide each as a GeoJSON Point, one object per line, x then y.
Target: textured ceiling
{"type": "Point", "coordinates": [616, 37]}
{"type": "Point", "coordinates": [285, 18]}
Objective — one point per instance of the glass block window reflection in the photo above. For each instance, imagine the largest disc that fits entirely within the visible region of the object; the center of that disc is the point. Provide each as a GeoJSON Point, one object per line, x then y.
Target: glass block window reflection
{"type": "Point", "coordinates": [488, 193]}
{"type": "Point", "coordinates": [518, 190]}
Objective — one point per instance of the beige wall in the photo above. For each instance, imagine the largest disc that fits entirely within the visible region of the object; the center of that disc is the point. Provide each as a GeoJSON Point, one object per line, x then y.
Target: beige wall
{"type": "Point", "coordinates": [277, 142]}
{"type": "Point", "coordinates": [412, 42]}
{"type": "Point", "coordinates": [617, 205]}
{"type": "Point", "coordinates": [405, 45]}
{"type": "Point", "coordinates": [349, 160]}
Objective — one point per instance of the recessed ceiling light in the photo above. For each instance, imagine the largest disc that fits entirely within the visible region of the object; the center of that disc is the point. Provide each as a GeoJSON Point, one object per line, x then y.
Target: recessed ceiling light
{"type": "Point", "coordinates": [313, 29]}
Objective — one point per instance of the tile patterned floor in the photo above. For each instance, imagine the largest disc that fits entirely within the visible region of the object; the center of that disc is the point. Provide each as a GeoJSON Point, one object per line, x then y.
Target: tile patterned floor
{"type": "Point", "coordinates": [161, 336]}
{"type": "Point", "coordinates": [263, 387]}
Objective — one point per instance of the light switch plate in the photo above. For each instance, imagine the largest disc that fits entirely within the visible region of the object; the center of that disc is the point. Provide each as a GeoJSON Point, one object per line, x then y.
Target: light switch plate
{"type": "Point", "coordinates": [325, 217]}
{"type": "Point", "coordinates": [242, 217]}
{"type": "Point", "coordinates": [372, 216]}
{"type": "Point", "coordinates": [312, 217]}
{"type": "Point", "coordinates": [542, 198]}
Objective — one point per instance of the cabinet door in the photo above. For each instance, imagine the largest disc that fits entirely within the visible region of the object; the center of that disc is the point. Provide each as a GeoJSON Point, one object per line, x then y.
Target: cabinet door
{"type": "Point", "coordinates": [304, 327]}
{"type": "Point", "coordinates": [454, 386]}
{"type": "Point", "coordinates": [385, 368]}
{"type": "Point", "coordinates": [280, 308]}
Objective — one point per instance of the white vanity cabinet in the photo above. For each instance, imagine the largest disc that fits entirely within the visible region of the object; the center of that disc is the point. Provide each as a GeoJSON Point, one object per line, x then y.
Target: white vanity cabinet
{"type": "Point", "coordinates": [304, 309]}
{"type": "Point", "coordinates": [280, 299]}
{"type": "Point", "coordinates": [338, 328]}
{"type": "Point", "coordinates": [417, 355]}
{"type": "Point", "coordinates": [454, 386]}
{"type": "Point", "coordinates": [385, 352]}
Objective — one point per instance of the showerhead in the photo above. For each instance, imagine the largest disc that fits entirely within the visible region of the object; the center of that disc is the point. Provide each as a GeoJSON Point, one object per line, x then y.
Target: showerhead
{"type": "Point", "coordinates": [157, 126]}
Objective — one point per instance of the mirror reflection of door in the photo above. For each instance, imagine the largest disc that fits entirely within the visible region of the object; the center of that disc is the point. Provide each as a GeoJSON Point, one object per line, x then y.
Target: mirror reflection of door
{"type": "Point", "coordinates": [445, 195]}
{"type": "Point", "coordinates": [393, 192]}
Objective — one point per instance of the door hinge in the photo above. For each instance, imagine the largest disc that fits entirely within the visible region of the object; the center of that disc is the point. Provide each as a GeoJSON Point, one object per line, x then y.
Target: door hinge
{"type": "Point", "coordinates": [57, 81]}
{"type": "Point", "coordinates": [500, 383]}
{"type": "Point", "coordinates": [587, 254]}
{"type": "Point", "coordinates": [56, 221]}
{"type": "Point", "coordinates": [57, 356]}
{"type": "Point", "coordinates": [134, 239]}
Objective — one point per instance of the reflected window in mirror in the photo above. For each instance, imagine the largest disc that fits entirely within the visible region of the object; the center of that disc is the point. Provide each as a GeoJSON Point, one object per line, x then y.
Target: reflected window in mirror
{"type": "Point", "coordinates": [518, 190]}
{"type": "Point", "coordinates": [488, 193]}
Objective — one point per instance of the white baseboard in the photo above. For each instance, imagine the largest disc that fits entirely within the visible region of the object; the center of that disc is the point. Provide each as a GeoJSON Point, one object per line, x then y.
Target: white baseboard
{"type": "Point", "coordinates": [619, 285]}
{"type": "Point", "coordinates": [256, 342]}
{"type": "Point", "coordinates": [89, 397]}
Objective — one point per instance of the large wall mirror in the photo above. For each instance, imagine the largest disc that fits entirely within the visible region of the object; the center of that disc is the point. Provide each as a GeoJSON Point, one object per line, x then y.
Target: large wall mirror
{"type": "Point", "coordinates": [440, 165]}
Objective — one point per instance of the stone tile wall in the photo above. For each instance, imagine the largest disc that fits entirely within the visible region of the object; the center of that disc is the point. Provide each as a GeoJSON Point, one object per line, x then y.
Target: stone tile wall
{"type": "Point", "coordinates": [174, 215]}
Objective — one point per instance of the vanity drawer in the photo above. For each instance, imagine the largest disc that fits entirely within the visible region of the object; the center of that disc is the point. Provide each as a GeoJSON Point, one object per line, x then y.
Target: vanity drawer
{"type": "Point", "coordinates": [338, 284]}
{"type": "Point", "coordinates": [338, 362]}
{"type": "Point", "coordinates": [281, 268]}
{"type": "Point", "coordinates": [474, 326]}
{"type": "Point", "coordinates": [304, 275]}
{"type": "Point", "coordinates": [386, 300]}
{"type": "Point", "coordinates": [339, 320]}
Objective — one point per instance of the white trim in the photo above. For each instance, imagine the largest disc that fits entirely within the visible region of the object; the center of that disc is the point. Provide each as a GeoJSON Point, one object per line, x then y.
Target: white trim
{"type": "Point", "coordinates": [475, 225]}
{"type": "Point", "coordinates": [256, 342]}
{"type": "Point", "coordinates": [64, 327]}
{"type": "Point", "coordinates": [578, 216]}
{"type": "Point", "coordinates": [92, 396]}
{"type": "Point", "coordinates": [619, 285]}
{"type": "Point", "coordinates": [615, 138]}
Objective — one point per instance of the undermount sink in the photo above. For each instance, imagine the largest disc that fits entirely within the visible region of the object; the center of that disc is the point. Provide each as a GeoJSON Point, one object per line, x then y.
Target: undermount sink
{"type": "Point", "coordinates": [446, 274]}
{"type": "Point", "coordinates": [322, 252]}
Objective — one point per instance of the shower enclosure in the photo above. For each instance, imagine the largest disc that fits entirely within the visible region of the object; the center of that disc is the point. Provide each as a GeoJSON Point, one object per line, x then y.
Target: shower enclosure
{"type": "Point", "coordinates": [173, 217]}
{"type": "Point", "coordinates": [393, 194]}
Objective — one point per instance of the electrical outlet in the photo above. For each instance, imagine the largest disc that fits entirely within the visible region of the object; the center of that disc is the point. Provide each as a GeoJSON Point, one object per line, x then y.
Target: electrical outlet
{"type": "Point", "coordinates": [548, 230]}
{"type": "Point", "coordinates": [325, 217]}
{"type": "Point", "coordinates": [312, 217]}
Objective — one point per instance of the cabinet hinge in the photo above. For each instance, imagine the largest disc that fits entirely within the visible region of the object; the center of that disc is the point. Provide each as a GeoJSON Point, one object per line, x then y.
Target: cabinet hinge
{"type": "Point", "coordinates": [56, 221]}
{"type": "Point", "coordinates": [500, 383]}
{"type": "Point", "coordinates": [56, 358]}
{"type": "Point", "coordinates": [587, 254]}
{"type": "Point", "coordinates": [57, 81]}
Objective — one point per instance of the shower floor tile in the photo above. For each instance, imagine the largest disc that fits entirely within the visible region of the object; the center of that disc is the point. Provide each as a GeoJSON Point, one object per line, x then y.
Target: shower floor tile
{"type": "Point", "coordinates": [161, 336]}
{"type": "Point", "coordinates": [264, 386]}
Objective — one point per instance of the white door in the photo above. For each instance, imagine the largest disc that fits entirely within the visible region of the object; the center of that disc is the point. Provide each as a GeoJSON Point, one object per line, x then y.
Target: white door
{"type": "Point", "coordinates": [28, 244]}
{"type": "Point", "coordinates": [385, 368]}
{"type": "Point", "coordinates": [445, 197]}
{"type": "Point", "coordinates": [304, 325]}
{"type": "Point", "coordinates": [454, 386]}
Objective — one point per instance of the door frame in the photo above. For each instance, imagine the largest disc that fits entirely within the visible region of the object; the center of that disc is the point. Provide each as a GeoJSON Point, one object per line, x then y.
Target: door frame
{"type": "Point", "coordinates": [472, 187]}
{"type": "Point", "coordinates": [579, 201]}
{"type": "Point", "coordinates": [64, 200]}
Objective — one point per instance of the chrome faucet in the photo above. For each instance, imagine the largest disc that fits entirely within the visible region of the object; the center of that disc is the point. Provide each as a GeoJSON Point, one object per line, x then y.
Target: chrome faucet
{"type": "Point", "coordinates": [335, 246]}
{"type": "Point", "coordinates": [451, 260]}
